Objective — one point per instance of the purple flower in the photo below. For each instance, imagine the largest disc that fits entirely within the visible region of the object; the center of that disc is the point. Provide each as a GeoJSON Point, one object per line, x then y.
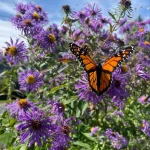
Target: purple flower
{"type": "Point", "coordinates": [85, 92]}
{"type": "Point", "coordinates": [118, 113]}
{"type": "Point", "coordinates": [15, 52]}
{"type": "Point", "coordinates": [34, 127]}
{"type": "Point", "coordinates": [141, 31]}
{"type": "Point", "coordinates": [61, 134]}
{"type": "Point", "coordinates": [145, 127]}
{"type": "Point", "coordinates": [105, 20]}
{"type": "Point", "coordinates": [64, 29]}
{"type": "Point", "coordinates": [57, 108]}
{"type": "Point", "coordinates": [77, 34]}
{"type": "Point", "coordinates": [144, 44]}
{"type": "Point", "coordinates": [49, 39]}
{"type": "Point", "coordinates": [19, 107]}
{"type": "Point", "coordinates": [67, 56]}
{"type": "Point", "coordinates": [141, 72]}
{"type": "Point", "coordinates": [80, 15]}
{"type": "Point", "coordinates": [95, 25]}
{"type": "Point", "coordinates": [119, 101]}
{"type": "Point", "coordinates": [117, 90]}
{"type": "Point", "coordinates": [22, 8]}
{"type": "Point", "coordinates": [80, 42]}
{"type": "Point", "coordinates": [127, 27]}
{"type": "Point", "coordinates": [144, 99]}
{"type": "Point", "coordinates": [117, 140]}
{"type": "Point", "coordinates": [56, 81]}
{"type": "Point", "coordinates": [30, 80]}
{"type": "Point", "coordinates": [93, 10]}
{"type": "Point", "coordinates": [58, 148]}
{"type": "Point", "coordinates": [93, 130]}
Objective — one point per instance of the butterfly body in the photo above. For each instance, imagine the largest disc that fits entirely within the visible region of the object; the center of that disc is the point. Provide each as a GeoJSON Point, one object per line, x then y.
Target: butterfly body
{"type": "Point", "coordinates": [99, 76]}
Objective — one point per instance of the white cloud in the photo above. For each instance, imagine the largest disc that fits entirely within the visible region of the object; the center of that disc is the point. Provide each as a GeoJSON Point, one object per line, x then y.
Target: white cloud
{"type": "Point", "coordinates": [7, 7]}
{"type": "Point", "coordinates": [7, 30]}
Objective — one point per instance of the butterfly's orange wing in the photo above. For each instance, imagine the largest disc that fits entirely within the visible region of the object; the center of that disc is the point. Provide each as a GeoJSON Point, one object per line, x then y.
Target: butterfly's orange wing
{"type": "Point", "coordinates": [88, 64]}
{"type": "Point", "coordinates": [110, 66]}
{"type": "Point", "coordinates": [84, 58]}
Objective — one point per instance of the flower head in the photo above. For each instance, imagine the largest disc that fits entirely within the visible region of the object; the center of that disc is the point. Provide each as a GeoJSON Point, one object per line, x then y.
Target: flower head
{"type": "Point", "coordinates": [30, 80]}
{"type": "Point", "coordinates": [146, 127]}
{"type": "Point", "coordinates": [126, 3]}
{"type": "Point", "coordinates": [93, 130]}
{"type": "Point", "coordinates": [20, 106]}
{"type": "Point", "coordinates": [141, 72]}
{"type": "Point", "coordinates": [57, 108]}
{"type": "Point", "coordinates": [61, 135]}
{"type": "Point", "coordinates": [144, 99]}
{"type": "Point", "coordinates": [15, 52]}
{"type": "Point", "coordinates": [93, 10]}
{"type": "Point", "coordinates": [50, 38]}
{"type": "Point", "coordinates": [117, 140]}
{"type": "Point", "coordinates": [118, 84]}
{"type": "Point", "coordinates": [144, 44]}
{"type": "Point", "coordinates": [66, 9]}
{"type": "Point", "coordinates": [34, 127]}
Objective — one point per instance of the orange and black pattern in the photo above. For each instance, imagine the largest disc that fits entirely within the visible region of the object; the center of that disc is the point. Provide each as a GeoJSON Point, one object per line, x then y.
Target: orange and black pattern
{"type": "Point", "coordinates": [100, 77]}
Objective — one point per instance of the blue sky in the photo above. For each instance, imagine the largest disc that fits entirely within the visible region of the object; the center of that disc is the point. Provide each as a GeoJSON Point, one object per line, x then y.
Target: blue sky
{"type": "Point", "coordinates": [53, 8]}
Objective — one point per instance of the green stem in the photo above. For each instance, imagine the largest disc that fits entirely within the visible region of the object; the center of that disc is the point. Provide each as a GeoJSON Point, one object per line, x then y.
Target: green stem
{"type": "Point", "coordinates": [9, 85]}
{"type": "Point", "coordinates": [113, 29]}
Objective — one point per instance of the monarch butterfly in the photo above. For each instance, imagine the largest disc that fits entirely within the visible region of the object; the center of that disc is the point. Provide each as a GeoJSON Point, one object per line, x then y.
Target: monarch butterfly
{"type": "Point", "coordinates": [99, 76]}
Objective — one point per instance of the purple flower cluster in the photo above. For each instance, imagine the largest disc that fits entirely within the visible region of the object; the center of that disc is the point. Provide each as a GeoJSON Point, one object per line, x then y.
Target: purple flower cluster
{"type": "Point", "coordinates": [35, 125]}
{"type": "Point", "coordinates": [91, 17]}
{"type": "Point", "coordinates": [15, 52]}
{"type": "Point", "coordinates": [137, 30]}
{"type": "Point", "coordinates": [117, 140]}
{"type": "Point", "coordinates": [30, 18]}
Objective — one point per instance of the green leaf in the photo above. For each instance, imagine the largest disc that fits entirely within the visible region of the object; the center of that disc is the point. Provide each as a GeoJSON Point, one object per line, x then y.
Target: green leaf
{"type": "Point", "coordinates": [6, 138]}
{"type": "Point", "coordinates": [96, 147]}
{"type": "Point", "coordinates": [12, 122]}
{"type": "Point", "coordinates": [78, 112]}
{"type": "Point", "coordinates": [71, 99]}
{"type": "Point", "coordinates": [1, 74]}
{"type": "Point", "coordinates": [23, 147]}
{"type": "Point", "coordinates": [110, 27]}
{"type": "Point", "coordinates": [88, 135]}
{"type": "Point", "coordinates": [85, 105]}
{"type": "Point", "coordinates": [85, 145]}
{"type": "Point", "coordinates": [112, 16]}
{"type": "Point", "coordinates": [54, 89]}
